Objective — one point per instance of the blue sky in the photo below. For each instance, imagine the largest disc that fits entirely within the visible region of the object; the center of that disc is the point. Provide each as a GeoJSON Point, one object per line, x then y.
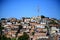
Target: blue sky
{"type": "Point", "coordinates": [28, 8]}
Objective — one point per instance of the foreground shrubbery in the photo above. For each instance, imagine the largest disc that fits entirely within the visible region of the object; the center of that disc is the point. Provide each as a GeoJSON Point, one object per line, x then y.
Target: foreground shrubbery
{"type": "Point", "coordinates": [25, 36]}
{"type": "Point", "coordinates": [4, 38]}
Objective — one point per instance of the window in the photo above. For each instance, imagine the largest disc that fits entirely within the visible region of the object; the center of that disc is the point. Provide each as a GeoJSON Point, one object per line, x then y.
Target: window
{"type": "Point", "coordinates": [59, 38]}
{"type": "Point", "coordinates": [31, 38]}
{"type": "Point", "coordinates": [59, 30]}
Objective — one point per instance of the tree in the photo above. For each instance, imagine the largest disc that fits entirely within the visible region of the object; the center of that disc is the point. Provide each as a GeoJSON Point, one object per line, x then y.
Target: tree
{"type": "Point", "coordinates": [13, 39]}
{"type": "Point", "coordinates": [1, 28]}
{"type": "Point", "coordinates": [25, 36]}
{"type": "Point", "coordinates": [33, 33]}
{"type": "Point", "coordinates": [4, 38]}
{"type": "Point", "coordinates": [53, 22]}
{"type": "Point", "coordinates": [23, 18]}
{"type": "Point", "coordinates": [47, 30]}
{"type": "Point", "coordinates": [42, 16]}
{"type": "Point", "coordinates": [3, 18]}
{"type": "Point", "coordinates": [19, 28]}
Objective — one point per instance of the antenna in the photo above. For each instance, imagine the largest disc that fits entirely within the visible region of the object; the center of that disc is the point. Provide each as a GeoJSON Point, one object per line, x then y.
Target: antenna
{"type": "Point", "coordinates": [38, 10]}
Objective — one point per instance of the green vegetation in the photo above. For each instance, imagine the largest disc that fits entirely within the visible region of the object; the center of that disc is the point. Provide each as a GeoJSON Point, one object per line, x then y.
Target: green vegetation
{"type": "Point", "coordinates": [42, 16]}
{"type": "Point", "coordinates": [13, 39]}
{"type": "Point", "coordinates": [25, 36]}
{"type": "Point", "coordinates": [1, 28]}
{"type": "Point", "coordinates": [3, 18]}
{"type": "Point", "coordinates": [33, 33]}
{"type": "Point", "coordinates": [4, 38]}
{"type": "Point", "coordinates": [18, 31]}
{"type": "Point", "coordinates": [53, 22]}
{"type": "Point", "coordinates": [47, 27]}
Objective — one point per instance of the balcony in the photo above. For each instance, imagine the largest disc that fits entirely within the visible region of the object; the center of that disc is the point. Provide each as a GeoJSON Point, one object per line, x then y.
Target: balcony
{"type": "Point", "coordinates": [43, 37]}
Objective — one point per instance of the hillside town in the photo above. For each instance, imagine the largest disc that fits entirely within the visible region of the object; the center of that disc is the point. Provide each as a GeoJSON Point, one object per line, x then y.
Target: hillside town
{"type": "Point", "coordinates": [38, 28]}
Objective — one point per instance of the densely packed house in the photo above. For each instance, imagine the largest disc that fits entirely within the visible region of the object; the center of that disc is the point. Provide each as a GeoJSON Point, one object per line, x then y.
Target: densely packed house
{"type": "Point", "coordinates": [38, 28]}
